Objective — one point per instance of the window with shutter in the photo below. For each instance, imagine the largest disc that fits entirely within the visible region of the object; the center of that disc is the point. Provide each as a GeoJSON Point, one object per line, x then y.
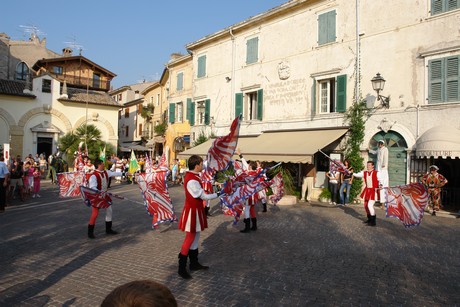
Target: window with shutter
{"type": "Point", "coordinates": [190, 112]}
{"type": "Point", "coordinates": [201, 66]}
{"type": "Point", "coordinates": [207, 111]}
{"type": "Point", "coordinates": [172, 112]}
{"type": "Point", "coordinates": [444, 79]}
{"type": "Point", "coordinates": [442, 6]}
{"type": "Point", "coordinates": [180, 81]}
{"type": "Point", "coordinates": [252, 50]}
{"type": "Point", "coordinates": [332, 95]}
{"type": "Point", "coordinates": [239, 104]}
{"type": "Point", "coordinates": [327, 28]}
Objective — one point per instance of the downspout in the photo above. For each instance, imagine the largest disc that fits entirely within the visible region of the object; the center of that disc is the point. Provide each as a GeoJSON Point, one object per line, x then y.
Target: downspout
{"type": "Point", "coordinates": [358, 56]}
{"type": "Point", "coordinates": [232, 88]}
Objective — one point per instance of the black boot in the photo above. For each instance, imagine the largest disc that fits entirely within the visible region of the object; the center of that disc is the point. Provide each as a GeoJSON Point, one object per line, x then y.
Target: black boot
{"type": "Point", "coordinates": [194, 264]}
{"type": "Point", "coordinates": [368, 219]}
{"type": "Point", "coordinates": [372, 221]}
{"type": "Point", "coordinates": [264, 205]}
{"type": "Point", "coordinates": [183, 267]}
{"type": "Point", "coordinates": [254, 223]}
{"type": "Point", "coordinates": [206, 211]}
{"type": "Point", "coordinates": [246, 225]}
{"type": "Point", "coordinates": [108, 229]}
{"type": "Point", "coordinates": [91, 232]}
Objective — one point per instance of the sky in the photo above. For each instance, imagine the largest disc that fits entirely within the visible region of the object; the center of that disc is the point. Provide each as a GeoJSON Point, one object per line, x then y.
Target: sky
{"type": "Point", "coordinates": [133, 39]}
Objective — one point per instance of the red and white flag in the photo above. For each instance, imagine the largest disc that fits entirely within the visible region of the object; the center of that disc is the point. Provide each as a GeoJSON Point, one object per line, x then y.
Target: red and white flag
{"type": "Point", "coordinates": [70, 182]}
{"type": "Point", "coordinates": [222, 149]}
{"type": "Point", "coordinates": [157, 200]}
{"type": "Point", "coordinates": [95, 198]}
{"type": "Point", "coordinates": [407, 203]}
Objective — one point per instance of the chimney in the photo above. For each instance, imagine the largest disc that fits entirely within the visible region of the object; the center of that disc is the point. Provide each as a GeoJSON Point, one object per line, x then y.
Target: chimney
{"type": "Point", "coordinates": [136, 95]}
{"type": "Point", "coordinates": [67, 51]}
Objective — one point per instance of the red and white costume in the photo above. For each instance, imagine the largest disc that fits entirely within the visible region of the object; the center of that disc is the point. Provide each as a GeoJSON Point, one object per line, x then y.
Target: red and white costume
{"type": "Point", "coordinates": [369, 194]}
{"type": "Point", "coordinates": [193, 219]}
{"type": "Point", "coordinates": [99, 181]}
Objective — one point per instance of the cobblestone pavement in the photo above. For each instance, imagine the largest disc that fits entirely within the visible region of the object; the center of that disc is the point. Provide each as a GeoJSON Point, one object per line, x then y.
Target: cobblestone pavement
{"type": "Point", "coordinates": [301, 255]}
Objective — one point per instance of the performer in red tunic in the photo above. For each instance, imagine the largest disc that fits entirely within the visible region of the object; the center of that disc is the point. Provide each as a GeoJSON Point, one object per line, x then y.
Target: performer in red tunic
{"type": "Point", "coordinates": [99, 181]}
{"type": "Point", "coordinates": [434, 181]}
{"type": "Point", "coordinates": [193, 218]}
{"type": "Point", "coordinates": [369, 194]}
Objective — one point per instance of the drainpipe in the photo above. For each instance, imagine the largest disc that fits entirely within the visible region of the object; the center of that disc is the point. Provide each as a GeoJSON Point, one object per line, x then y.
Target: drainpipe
{"type": "Point", "coordinates": [358, 55]}
{"type": "Point", "coordinates": [232, 89]}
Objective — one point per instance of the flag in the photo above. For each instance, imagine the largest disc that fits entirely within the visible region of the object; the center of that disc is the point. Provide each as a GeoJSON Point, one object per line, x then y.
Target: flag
{"type": "Point", "coordinates": [133, 165]}
{"type": "Point", "coordinates": [163, 164]}
{"type": "Point", "coordinates": [70, 182]}
{"type": "Point", "coordinates": [148, 164]}
{"type": "Point", "coordinates": [102, 155]}
{"type": "Point", "coordinates": [223, 148]}
{"type": "Point", "coordinates": [157, 200]}
{"type": "Point", "coordinates": [277, 189]}
{"type": "Point", "coordinates": [407, 203]}
{"type": "Point", "coordinates": [78, 163]}
{"type": "Point", "coordinates": [336, 165]}
{"type": "Point", "coordinates": [95, 198]}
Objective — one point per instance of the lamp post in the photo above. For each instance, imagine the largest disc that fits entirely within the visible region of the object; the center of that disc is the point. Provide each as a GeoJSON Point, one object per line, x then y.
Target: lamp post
{"type": "Point", "coordinates": [378, 83]}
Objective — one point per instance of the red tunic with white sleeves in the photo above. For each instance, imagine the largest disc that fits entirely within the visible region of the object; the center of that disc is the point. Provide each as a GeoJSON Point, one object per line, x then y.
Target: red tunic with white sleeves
{"type": "Point", "coordinates": [372, 183]}
{"type": "Point", "coordinates": [193, 218]}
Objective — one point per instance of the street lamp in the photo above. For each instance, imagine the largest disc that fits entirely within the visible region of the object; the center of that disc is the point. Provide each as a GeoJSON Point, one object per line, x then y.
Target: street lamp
{"type": "Point", "coordinates": [378, 83]}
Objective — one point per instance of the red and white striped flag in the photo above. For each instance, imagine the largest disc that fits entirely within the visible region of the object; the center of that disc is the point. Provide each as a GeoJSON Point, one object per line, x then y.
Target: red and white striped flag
{"type": "Point", "coordinates": [70, 182]}
{"type": "Point", "coordinates": [407, 203]}
{"type": "Point", "coordinates": [95, 198]}
{"type": "Point", "coordinates": [223, 148]}
{"type": "Point", "coordinates": [157, 200]}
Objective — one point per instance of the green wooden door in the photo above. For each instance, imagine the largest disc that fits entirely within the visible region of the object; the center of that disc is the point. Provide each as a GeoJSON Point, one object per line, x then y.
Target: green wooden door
{"type": "Point", "coordinates": [397, 155]}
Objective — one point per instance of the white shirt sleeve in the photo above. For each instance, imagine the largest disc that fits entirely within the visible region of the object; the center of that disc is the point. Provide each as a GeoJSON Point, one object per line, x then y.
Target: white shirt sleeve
{"type": "Point", "coordinates": [92, 182]}
{"type": "Point", "coordinates": [195, 189]}
{"type": "Point", "coordinates": [359, 175]}
{"type": "Point", "coordinates": [245, 164]}
{"type": "Point", "coordinates": [113, 174]}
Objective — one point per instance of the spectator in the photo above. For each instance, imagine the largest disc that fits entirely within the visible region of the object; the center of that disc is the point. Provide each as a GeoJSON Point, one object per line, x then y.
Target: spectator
{"type": "Point", "coordinates": [36, 179]}
{"type": "Point", "coordinates": [347, 179]}
{"type": "Point", "coordinates": [4, 174]}
{"type": "Point", "coordinates": [42, 164]}
{"type": "Point", "coordinates": [140, 293]}
{"type": "Point", "coordinates": [434, 181]}
{"type": "Point", "coordinates": [334, 177]}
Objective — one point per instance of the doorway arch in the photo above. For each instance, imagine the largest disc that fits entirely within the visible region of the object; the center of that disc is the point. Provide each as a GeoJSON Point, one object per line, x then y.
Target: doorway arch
{"type": "Point", "coordinates": [397, 155]}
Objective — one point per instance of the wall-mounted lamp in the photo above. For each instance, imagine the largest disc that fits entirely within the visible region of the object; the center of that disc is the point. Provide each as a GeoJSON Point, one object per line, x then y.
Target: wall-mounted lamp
{"type": "Point", "coordinates": [228, 79]}
{"type": "Point", "coordinates": [378, 83]}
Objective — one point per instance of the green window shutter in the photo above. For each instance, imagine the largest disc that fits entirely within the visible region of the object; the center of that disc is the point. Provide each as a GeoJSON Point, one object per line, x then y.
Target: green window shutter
{"type": "Point", "coordinates": [452, 78]}
{"type": "Point", "coordinates": [180, 81]}
{"type": "Point", "coordinates": [436, 80]}
{"type": "Point", "coordinates": [453, 4]}
{"type": "Point", "coordinates": [190, 111]}
{"type": "Point", "coordinates": [252, 50]}
{"type": "Point", "coordinates": [341, 93]}
{"type": "Point", "coordinates": [313, 97]}
{"type": "Point", "coordinates": [436, 6]}
{"type": "Point", "coordinates": [327, 27]}
{"type": "Point", "coordinates": [172, 112]}
{"type": "Point", "coordinates": [322, 29]}
{"type": "Point", "coordinates": [260, 100]}
{"type": "Point", "coordinates": [201, 66]}
{"type": "Point", "coordinates": [207, 111]}
{"type": "Point", "coordinates": [238, 104]}
{"type": "Point", "coordinates": [331, 26]}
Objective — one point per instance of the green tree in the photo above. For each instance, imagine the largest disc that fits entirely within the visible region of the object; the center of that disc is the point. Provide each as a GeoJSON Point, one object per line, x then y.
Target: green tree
{"type": "Point", "coordinates": [355, 117]}
{"type": "Point", "coordinates": [200, 139]}
{"type": "Point", "coordinates": [160, 129]}
{"type": "Point", "coordinates": [90, 135]}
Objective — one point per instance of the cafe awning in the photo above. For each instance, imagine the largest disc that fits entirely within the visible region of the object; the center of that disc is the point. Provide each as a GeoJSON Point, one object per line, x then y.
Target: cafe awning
{"type": "Point", "coordinates": [440, 141]}
{"type": "Point", "coordinates": [296, 146]}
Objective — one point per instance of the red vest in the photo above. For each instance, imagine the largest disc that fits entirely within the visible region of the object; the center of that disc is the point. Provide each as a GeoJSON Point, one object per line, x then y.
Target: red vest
{"type": "Point", "coordinates": [99, 177]}
{"type": "Point", "coordinates": [191, 201]}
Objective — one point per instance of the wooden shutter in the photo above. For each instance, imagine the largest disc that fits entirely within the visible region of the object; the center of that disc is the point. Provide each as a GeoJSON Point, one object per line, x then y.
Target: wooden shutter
{"type": "Point", "coordinates": [341, 93]}
{"type": "Point", "coordinates": [252, 50]}
{"type": "Point", "coordinates": [239, 104]}
{"type": "Point", "coordinates": [327, 27]}
{"type": "Point", "coordinates": [260, 100]}
{"type": "Point", "coordinates": [436, 79]}
{"type": "Point", "coordinates": [172, 112]}
{"type": "Point", "coordinates": [180, 81]}
{"type": "Point", "coordinates": [331, 26]}
{"type": "Point", "coordinates": [436, 6]}
{"type": "Point", "coordinates": [207, 111]}
{"type": "Point", "coordinates": [201, 66]}
{"type": "Point", "coordinates": [313, 97]}
{"type": "Point", "coordinates": [190, 111]}
{"type": "Point", "coordinates": [452, 79]}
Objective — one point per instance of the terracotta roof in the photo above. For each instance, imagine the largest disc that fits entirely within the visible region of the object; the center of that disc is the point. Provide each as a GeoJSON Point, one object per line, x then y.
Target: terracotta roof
{"type": "Point", "coordinates": [92, 97]}
{"type": "Point", "coordinates": [13, 87]}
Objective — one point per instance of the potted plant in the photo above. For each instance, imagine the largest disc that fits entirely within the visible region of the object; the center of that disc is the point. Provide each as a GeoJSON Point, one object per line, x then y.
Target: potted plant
{"type": "Point", "coordinates": [325, 195]}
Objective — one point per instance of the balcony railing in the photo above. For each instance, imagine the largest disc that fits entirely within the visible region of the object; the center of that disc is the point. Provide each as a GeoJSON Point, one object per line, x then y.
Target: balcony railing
{"type": "Point", "coordinates": [81, 82]}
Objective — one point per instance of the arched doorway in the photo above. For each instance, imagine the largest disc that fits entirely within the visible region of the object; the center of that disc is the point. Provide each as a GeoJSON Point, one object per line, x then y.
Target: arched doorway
{"type": "Point", "coordinates": [397, 155]}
